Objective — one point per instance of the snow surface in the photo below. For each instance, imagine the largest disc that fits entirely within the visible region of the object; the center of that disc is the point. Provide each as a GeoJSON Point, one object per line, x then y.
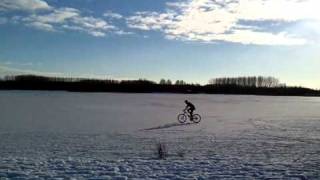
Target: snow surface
{"type": "Point", "coordinates": [60, 135]}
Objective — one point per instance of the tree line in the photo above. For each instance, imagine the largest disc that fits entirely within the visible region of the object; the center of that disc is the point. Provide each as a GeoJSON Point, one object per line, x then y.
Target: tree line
{"type": "Point", "coordinates": [255, 85]}
{"type": "Point", "coordinates": [251, 81]}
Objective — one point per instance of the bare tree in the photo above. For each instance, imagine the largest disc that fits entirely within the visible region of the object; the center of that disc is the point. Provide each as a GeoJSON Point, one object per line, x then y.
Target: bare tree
{"type": "Point", "coordinates": [251, 81]}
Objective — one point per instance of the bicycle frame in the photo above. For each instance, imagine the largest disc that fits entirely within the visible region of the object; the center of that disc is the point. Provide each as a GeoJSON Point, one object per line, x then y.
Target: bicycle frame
{"type": "Point", "coordinates": [186, 112]}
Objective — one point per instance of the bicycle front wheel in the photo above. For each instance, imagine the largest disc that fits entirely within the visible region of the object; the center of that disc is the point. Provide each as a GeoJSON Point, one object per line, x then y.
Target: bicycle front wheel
{"type": "Point", "coordinates": [182, 118]}
{"type": "Point", "coordinates": [196, 118]}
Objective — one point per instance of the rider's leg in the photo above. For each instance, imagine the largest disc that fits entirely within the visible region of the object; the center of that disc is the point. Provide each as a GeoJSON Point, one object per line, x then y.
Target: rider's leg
{"type": "Point", "coordinates": [191, 113]}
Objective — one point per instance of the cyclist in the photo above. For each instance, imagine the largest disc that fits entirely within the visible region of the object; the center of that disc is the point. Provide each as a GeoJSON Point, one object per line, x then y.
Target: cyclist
{"type": "Point", "coordinates": [190, 108]}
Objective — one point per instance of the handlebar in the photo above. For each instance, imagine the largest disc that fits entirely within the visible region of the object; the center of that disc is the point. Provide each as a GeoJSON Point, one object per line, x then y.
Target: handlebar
{"type": "Point", "coordinates": [185, 110]}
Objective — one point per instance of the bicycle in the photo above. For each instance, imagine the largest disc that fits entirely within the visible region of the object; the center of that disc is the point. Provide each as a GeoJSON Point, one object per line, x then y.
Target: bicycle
{"type": "Point", "coordinates": [182, 118]}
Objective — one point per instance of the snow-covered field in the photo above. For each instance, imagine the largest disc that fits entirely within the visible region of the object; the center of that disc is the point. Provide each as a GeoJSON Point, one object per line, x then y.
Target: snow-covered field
{"type": "Point", "coordinates": [60, 135]}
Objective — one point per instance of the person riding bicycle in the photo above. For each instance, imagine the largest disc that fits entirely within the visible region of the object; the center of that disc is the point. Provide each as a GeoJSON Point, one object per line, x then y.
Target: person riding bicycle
{"type": "Point", "coordinates": [190, 108]}
{"type": "Point", "coordinates": [188, 114]}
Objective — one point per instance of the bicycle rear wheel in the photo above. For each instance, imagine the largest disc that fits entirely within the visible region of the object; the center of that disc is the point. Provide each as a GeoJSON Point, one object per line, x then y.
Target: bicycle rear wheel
{"type": "Point", "coordinates": [182, 118]}
{"type": "Point", "coordinates": [196, 118]}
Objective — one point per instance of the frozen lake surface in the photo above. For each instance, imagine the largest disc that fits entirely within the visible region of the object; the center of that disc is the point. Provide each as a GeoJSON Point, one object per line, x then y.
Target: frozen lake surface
{"type": "Point", "coordinates": [61, 135]}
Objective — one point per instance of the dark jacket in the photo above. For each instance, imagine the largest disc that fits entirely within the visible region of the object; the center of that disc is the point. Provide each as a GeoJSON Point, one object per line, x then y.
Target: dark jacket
{"type": "Point", "coordinates": [190, 105]}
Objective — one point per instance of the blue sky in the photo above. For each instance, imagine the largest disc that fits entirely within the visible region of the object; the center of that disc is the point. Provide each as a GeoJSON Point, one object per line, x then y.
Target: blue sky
{"type": "Point", "coordinates": [193, 40]}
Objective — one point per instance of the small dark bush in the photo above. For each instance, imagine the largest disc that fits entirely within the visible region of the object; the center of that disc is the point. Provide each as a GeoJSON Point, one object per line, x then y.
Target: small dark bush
{"type": "Point", "coordinates": [162, 151]}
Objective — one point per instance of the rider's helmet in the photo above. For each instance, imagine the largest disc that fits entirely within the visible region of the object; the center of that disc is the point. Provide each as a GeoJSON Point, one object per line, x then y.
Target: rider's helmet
{"type": "Point", "coordinates": [186, 101]}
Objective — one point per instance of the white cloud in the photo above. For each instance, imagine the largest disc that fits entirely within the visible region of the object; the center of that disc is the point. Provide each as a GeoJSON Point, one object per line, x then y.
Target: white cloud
{"type": "Point", "coordinates": [113, 15]}
{"type": "Point", "coordinates": [41, 26]}
{"type": "Point", "coordinates": [19, 63]}
{"type": "Point", "coordinates": [97, 33]}
{"type": "Point", "coordinates": [56, 19]}
{"type": "Point", "coordinates": [23, 5]}
{"type": "Point", "coordinates": [68, 19]}
{"type": "Point", "coordinates": [286, 10]}
{"type": "Point", "coordinates": [121, 32]}
{"type": "Point", "coordinates": [151, 20]}
{"type": "Point", "coordinates": [56, 16]}
{"type": "Point", "coordinates": [92, 23]}
{"type": "Point", "coordinates": [253, 37]}
{"type": "Point", "coordinates": [219, 20]}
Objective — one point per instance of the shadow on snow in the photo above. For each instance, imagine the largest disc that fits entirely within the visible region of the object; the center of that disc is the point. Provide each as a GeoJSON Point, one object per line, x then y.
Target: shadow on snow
{"type": "Point", "coordinates": [169, 126]}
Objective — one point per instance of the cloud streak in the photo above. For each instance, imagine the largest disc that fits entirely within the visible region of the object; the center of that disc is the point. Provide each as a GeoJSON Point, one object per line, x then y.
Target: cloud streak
{"type": "Point", "coordinates": [61, 19]}
{"type": "Point", "coordinates": [69, 19]}
{"type": "Point", "coordinates": [219, 20]}
{"type": "Point", "coordinates": [10, 71]}
{"type": "Point", "coordinates": [3, 20]}
{"type": "Point", "coordinates": [23, 5]}
{"type": "Point", "coordinates": [5, 71]}
{"type": "Point", "coordinates": [112, 15]}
